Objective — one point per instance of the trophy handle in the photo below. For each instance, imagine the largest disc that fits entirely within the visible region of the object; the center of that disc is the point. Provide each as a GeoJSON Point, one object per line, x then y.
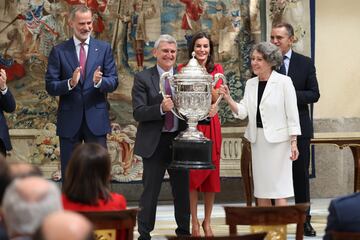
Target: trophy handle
{"type": "Point", "coordinates": [218, 76]}
{"type": "Point", "coordinates": [162, 89]}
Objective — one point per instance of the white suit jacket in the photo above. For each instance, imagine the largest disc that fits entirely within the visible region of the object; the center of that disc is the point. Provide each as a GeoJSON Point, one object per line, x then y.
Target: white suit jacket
{"type": "Point", "coordinates": [278, 109]}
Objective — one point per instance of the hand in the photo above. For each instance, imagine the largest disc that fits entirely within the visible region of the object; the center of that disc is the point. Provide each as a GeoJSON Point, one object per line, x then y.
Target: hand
{"type": "Point", "coordinates": [213, 110]}
{"type": "Point", "coordinates": [224, 90]}
{"type": "Point", "coordinates": [75, 77]}
{"type": "Point", "coordinates": [167, 104]}
{"type": "Point", "coordinates": [97, 75]}
{"type": "Point", "coordinates": [3, 79]}
{"type": "Point", "coordinates": [294, 151]}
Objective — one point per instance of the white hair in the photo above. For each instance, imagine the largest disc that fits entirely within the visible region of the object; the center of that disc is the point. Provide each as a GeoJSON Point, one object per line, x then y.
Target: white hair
{"type": "Point", "coordinates": [165, 38]}
{"type": "Point", "coordinates": [23, 217]}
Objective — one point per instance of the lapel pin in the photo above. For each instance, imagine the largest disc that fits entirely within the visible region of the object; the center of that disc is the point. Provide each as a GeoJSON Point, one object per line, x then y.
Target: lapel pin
{"type": "Point", "coordinates": [96, 49]}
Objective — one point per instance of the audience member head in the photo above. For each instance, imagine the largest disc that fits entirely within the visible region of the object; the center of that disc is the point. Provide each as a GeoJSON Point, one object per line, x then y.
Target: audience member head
{"type": "Point", "coordinates": [26, 202]}
{"type": "Point", "coordinates": [269, 52]}
{"type": "Point", "coordinates": [23, 169]}
{"type": "Point", "coordinates": [282, 35]}
{"type": "Point", "coordinates": [165, 50]}
{"type": "Point", "coordinates": [87, 175]}
{"type": "Point", "coordinates": [202, 45]}
{"type": "Point", "coordinates": [5, 177]}
{"type": "Point", "coordinates": [65, 225]}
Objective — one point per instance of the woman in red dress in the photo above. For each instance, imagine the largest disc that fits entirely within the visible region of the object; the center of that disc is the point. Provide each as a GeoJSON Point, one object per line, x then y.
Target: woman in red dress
{"type": "Point", "coordinates": [206, 181]}
{"type": "Point", "coordinates": [87, 178]}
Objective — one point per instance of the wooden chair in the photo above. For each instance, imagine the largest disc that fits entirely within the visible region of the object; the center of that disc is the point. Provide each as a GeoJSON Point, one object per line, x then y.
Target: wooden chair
{"type": "Point", "coordinates": [117, 225]}
{"type": "Point", "coordinates": [267, 216]}
{"type": "Point", "coordinates": [345, 235]}
{"type": "Point", "coordinates": [252, 236]}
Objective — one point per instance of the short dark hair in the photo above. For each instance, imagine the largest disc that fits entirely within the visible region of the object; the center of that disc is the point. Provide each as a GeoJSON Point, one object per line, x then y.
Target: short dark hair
{"type": "Point", "coordinates": [87, 175]}
{"type": "Point", "coordinates": [210, 60]}
{"type": "Point", "coordinates": [289, 28]}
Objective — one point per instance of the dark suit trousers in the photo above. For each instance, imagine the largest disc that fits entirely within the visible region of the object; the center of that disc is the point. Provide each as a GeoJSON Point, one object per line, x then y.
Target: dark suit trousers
{"type": "Point", "coordinates": [67, 145]}
{"type": "Point", "coordinates": [301, 172]}
{"type": "Point", "coordinates": [153, 174]}
{"type": "Point", "coordinates": [2, 148]}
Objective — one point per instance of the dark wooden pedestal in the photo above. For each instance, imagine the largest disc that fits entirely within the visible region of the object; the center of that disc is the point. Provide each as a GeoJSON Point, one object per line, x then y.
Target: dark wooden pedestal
{"type": "Point", "coordinates": [192, 154]}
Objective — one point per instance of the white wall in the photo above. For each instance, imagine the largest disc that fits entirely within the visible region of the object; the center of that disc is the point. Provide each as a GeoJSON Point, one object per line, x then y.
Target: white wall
{"type": "Point", "coordinates": [337, 58]}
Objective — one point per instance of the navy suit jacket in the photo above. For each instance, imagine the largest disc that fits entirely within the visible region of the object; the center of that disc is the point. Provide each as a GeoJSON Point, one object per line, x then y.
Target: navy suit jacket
{"type": "Point", "coordinates": [84, 99]}
{"type": "Point", "coordinates": [7, 104]}
{"type": "Point", "coordinates": [303, 74]}
{"type": "Point", "coordinates": [146, 99]}
{"type": "Point", "coordinates": [344, 215]}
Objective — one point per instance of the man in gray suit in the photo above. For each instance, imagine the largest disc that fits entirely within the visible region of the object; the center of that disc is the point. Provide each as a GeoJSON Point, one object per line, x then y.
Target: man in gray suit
{"type": "Point", "coordinates": [154, 138]}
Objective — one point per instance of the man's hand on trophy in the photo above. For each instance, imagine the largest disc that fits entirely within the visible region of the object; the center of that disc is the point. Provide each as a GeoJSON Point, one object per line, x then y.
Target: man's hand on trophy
{"type": "Point", "coordinates": [167, 104]}
{"type": "Point", "coordinates": [213, 110]}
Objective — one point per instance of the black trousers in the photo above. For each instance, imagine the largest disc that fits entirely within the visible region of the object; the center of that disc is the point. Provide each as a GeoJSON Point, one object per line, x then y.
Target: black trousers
{"type": "Point", "coordinates": [153, 174]}
{"type": "Point", "coordinates": [301, 172]}
{"type": "Point", "coordinates": [2, 148]}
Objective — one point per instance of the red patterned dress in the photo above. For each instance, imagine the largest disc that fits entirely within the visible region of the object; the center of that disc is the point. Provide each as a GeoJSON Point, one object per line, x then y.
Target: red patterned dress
{"type": "Point", "coordinates": [209, 180]}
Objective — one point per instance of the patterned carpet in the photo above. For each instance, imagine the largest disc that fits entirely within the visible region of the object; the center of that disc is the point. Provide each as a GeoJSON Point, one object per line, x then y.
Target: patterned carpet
{"type": "Point", "coordinates": [165, 223]}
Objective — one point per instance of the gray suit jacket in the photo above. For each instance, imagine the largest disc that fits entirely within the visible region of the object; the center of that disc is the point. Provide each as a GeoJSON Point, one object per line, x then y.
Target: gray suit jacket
{"type": "Point", "coordinates": [146, 100]}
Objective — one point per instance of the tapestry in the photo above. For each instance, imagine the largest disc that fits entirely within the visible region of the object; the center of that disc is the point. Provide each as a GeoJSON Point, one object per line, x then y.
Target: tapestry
{"type": "Point", "coordinates": [30, 28]}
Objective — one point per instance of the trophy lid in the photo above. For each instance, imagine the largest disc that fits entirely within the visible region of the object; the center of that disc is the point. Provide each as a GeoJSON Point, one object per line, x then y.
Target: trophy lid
{"type": "Point", "coordinates": [193, 70]}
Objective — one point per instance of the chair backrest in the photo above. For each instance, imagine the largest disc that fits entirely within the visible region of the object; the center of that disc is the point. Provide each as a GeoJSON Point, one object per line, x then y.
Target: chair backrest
{"type": "Point", "coordinates": [123, 222]}
{"type": "Point", "coordinates": [275, 215]}
{"type": "Point", "coordinates": [252, 236]}
{"type": "Point", "coordinates": [345, 235]}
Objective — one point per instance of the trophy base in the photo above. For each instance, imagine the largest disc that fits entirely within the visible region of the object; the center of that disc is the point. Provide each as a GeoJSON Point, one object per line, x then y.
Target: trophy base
{"type": "Point", "coordinates": [191, 136]}
{"type": "Point", "coordinates": [191, 154]}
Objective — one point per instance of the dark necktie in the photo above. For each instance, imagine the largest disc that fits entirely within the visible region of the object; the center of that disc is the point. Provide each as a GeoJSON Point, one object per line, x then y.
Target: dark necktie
{"type": "Point", "coordinates": [169, 116]}
{"type": "Point", "coordinates": [282, 69]}
{"type": "Point", "coordinates": [82, 59]}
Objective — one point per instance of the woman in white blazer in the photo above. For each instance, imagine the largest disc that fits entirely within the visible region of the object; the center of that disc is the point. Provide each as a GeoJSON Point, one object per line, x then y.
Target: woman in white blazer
{"type": "Point", "coordinates": [273, 123]}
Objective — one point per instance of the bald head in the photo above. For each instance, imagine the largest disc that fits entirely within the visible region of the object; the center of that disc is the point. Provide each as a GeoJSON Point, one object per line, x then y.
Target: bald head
{"type": "Point", "coordinates": [22, 169]}
{"type": "Point", "coordinates": [32, 189]}
{"type": "Point", "coordinates": [64, 225]}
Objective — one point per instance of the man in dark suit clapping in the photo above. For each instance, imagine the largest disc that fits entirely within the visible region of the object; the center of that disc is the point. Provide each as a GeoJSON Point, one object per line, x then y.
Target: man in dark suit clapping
{"type": "Point", "coordinates": [302, 71]}
{"type": "Point", "coordinates": [7, 104]}
{"type": "Point", "coordinates": [81, 71]}
{"type": "Point", "coordinates": [153, 140]}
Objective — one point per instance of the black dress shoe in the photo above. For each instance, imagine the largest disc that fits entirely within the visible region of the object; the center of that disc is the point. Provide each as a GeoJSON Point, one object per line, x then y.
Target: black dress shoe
{"type": "Point", "coordinates": [309, 231]}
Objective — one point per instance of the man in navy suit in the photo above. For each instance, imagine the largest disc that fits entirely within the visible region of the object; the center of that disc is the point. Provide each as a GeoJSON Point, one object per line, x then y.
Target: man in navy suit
{"type": "Point", "coordinates": [344, 215]}
{"type": "Point", "coordinates": [153, 141]}
{"type": "Point", "coordinates": [81, 71]}
{"type": "Point", "coordinates": [7, 104]}
{"type": "Point", "coordinates": [302, 71]}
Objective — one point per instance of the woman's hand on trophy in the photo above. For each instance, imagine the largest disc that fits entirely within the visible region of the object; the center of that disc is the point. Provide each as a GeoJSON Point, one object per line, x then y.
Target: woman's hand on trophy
{"type": "Point", "coordinates": [213, 110]}
{"type": "Point", "coordinates": [225, 92]}
{"type": "Point", "coordinates": [167, 104]}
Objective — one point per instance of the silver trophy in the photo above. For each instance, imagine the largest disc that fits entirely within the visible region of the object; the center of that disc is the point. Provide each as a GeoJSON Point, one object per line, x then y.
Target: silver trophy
{"type": "Point", "coordinates": [191, 94]}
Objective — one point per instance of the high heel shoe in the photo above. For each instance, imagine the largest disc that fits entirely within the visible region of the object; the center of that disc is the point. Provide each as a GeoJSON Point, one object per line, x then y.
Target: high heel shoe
{"type": "Point", "coordinates": [207, 230]}
{"type": "Point", "coordinates": [195, 230]}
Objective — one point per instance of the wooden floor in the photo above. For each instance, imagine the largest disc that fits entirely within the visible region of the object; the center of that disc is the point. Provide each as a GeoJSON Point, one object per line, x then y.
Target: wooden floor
{"type": "Point", "coordinates": [165, 223]}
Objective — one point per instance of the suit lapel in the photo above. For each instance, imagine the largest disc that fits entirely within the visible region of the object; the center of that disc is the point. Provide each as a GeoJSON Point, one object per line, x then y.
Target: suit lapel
{"type": "Point", "coordinates": [92, 55]}
{"type": "Point", "coordinates": [269, 85]}
{"type": "Point", "coordinates": [293, 64]}
{"type": "Point", "coordinates": [155, 78]}
{"type": "Point", "coordinates": [70, 54]}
